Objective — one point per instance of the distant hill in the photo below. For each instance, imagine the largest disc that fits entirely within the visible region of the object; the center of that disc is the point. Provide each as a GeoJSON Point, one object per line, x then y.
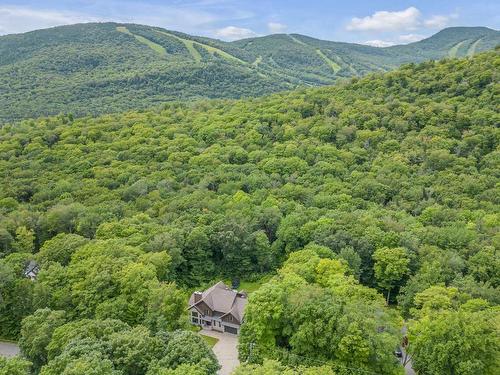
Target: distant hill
{"type": "Point", "coordinates": [108, 67]}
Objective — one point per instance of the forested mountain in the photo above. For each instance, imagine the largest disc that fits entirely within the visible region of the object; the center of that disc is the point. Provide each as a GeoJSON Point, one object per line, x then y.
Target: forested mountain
{"type": "Point", "coordinates": [384, 188]}
{"type": "Point", "coordinates": [102, 68]}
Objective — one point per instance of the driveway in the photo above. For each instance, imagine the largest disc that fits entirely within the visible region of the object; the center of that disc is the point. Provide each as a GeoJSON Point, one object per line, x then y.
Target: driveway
{"type": "Point", "coordinates": [408, 367]}
{"type": "Point", "coordinates": [225, 350]}
{"type": "Point", "coordinates": [8, 349]}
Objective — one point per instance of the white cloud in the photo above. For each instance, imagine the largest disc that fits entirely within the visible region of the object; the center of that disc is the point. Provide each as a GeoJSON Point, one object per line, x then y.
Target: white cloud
{"type": "Point", "coordinates": [234, 33]}
{"type": "Point", "coordinates": [383, 20]}
{"type": "Point", "coordinates": [401, 39]}
{"type": "Point", "coordinates": [410, 38]}
{"type": "Point", "coordinates": [405, 38]}
{"type": "Point", "coordinates": [276, 27]}
{"type": "Point", "coordinates": [379, 43]}
{"type": "Point", "coordinates": [408, 19]}
{"type": "Point", "coordinates": [439, 21]}
{"type": "Point", "coordinates": [15, 19]}
{"type": "Point", "coordinates": [196, 17]}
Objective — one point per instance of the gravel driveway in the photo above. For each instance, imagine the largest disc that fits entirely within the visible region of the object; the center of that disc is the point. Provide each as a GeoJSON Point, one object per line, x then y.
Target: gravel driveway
{"type": "Point", "coordinates": [225, 350]}
{"type": "Point", "coordinates": [8, 349]}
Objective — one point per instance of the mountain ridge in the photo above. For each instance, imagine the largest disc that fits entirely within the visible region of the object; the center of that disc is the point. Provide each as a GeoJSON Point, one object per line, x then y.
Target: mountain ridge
{"type": "Point", "coordinates": [96, 68]}
{"type": "Point", "coordinates": [444, 30]}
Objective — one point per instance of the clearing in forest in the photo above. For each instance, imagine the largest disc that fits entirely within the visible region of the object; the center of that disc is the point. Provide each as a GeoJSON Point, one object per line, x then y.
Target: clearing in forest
{"type": "Point", "coordinates": [154, 46]}
{"type": "Point", "coordinates": [454, 50]}
{"type": "Point", "coordinates": [298, 41]}
{"type": "Point", "coordinates": [332, 64]}
{"type": "Point", "coordinates": [210, 49]}
{"type": "Point", "coordinates": [257, 61]}
{"type": "Point", "coordinates": [472, 48]}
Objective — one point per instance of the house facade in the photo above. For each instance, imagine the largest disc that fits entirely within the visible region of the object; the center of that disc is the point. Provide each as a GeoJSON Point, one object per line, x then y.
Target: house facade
{"type": "Point", "coordinates": [218, 308]}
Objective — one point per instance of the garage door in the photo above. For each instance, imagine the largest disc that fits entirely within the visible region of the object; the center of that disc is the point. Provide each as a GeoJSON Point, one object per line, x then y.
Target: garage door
{"type": "Point", "coordinates": [232, 330]}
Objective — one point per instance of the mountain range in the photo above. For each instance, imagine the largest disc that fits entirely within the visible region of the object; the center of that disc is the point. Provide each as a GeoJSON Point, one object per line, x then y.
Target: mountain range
{"type": "Point", "coordinates": [95, 68]}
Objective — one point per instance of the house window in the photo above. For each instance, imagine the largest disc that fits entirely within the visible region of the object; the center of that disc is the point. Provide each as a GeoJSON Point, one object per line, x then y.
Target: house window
{"type": "Point", "coordinates": [195, 321]}
{"type": "Point", "coordinates": [194, 313]}
{"type": "Point", "coordinates": [207, 312]}
{"type": "Point", "coordinates": [230, 318]}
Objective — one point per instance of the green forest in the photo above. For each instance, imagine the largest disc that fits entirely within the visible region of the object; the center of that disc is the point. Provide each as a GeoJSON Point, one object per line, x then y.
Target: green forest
{"type": "Point", "coordinates": [98, 68]}
{"type": "Point", "coordinates": [370, 207]}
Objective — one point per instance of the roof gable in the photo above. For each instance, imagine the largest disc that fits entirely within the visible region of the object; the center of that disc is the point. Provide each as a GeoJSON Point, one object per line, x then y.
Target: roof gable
{"type": "Point", "coordinates": [222, 299]}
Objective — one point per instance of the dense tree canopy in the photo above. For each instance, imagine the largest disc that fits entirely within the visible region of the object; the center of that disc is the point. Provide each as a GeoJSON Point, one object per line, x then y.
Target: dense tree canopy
{"type": "Point", "coordinates": [14, 366]}
{"type": "Point", "coordinates": [98, 68]}
{"type": "Point", "coordinates": [271, 367]}
{"type": "Point", "coordinates": [16, 293]}
{"type": "Point", "coordinates": [391, 265]}
{"type": "Point", "coordinates": [109, 347]}
{"type": "Point", "coordinates": [314, 312]}
{"type": "Point", "coordinates": [386, 184]}
{"type": "Point", "coordinates": [36, 334]}
{"type": "Point", "coordinates": [454, 334]}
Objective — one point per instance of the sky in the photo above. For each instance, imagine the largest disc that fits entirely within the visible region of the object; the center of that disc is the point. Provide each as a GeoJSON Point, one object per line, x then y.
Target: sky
{"type": "Point", "coordinates": [373, 22]}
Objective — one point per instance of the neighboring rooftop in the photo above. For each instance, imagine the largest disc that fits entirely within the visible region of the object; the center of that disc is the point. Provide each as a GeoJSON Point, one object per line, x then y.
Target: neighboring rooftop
{"type": "Point", "coordinates": [31, 270]}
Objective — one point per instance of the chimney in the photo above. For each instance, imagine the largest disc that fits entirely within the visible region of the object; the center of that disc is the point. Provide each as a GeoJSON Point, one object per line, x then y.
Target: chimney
{"type": "Point", "coordinates": [197, 296]}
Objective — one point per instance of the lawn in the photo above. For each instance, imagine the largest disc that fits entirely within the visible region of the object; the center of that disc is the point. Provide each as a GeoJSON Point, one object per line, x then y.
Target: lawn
{"type": "Point", "coordinates": [7, 340]}
{"type": "Point", "coordinates": [211, 341]}
{"type": "Point", "coordinates": [250, 286]}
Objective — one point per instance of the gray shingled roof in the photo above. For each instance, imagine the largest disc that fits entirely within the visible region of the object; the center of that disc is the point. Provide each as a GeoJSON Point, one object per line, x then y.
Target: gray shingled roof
{"type": "Point", "coordinates": [222, 299]}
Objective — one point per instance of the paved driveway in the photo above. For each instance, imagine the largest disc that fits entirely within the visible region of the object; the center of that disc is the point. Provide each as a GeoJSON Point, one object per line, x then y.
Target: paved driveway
{"type": "Point", "coordinates": [225, 350]}
{"type": "Point", "coordinates": [8, 349]}
{"type": "Point", "coordinates": [408, 369]}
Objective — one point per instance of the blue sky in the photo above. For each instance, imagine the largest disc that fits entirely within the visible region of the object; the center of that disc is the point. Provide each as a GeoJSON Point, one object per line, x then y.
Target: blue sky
{"type": "Point", "coordinates": [371, 22]}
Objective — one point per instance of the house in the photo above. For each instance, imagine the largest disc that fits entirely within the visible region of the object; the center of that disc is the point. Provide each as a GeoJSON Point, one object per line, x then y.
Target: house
{"type": "Point", "coordinates": [218, 308]}
{"type": "Point", "coordinates": [31, 270]}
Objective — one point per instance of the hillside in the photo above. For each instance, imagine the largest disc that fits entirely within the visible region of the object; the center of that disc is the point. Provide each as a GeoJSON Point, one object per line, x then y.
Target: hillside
{"type": "Point", "coordinates": [102, 68]}
{"type": "Point", "coordinates": [403, 164]}
{"type": "Point", "coordinates": [385, 188]}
